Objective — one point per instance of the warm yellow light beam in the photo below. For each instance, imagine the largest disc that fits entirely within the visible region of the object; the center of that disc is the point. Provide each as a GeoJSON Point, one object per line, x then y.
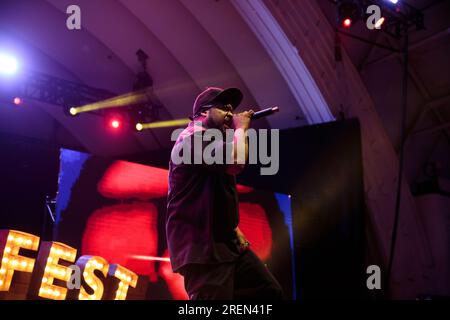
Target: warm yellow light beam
{"type": "Point", "coordinates": [119, 101]}
{"type": "Point", "coordinates": [162, 124]}
{"type": "Point", "coordinates": [150, 258]}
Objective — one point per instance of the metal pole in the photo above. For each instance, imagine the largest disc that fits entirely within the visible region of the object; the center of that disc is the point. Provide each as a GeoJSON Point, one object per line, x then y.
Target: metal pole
{"type": "Point", "coordinates": [401, 160]}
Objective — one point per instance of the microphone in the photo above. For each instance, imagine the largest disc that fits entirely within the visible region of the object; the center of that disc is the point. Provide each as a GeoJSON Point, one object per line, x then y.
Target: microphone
{"type": "Point", "coordinates": [264, 112]}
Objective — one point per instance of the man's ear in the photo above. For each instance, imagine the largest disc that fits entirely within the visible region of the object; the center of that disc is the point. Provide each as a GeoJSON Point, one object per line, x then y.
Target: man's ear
{"type": "Point", "coordinates": [204, 113]}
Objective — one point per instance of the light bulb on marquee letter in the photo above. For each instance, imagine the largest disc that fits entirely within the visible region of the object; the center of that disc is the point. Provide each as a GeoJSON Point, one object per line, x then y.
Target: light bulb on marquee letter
{"type": "Point", "coordinates": [49, 255]}
{"type": "Point", "coordinates": [88, 264]}
{"type": "Point", "coordinates": [11, 242]}
{"type": "Point", "coordinates": [127, 278]}
{"type": "Point", "coordinates": [52, 270]}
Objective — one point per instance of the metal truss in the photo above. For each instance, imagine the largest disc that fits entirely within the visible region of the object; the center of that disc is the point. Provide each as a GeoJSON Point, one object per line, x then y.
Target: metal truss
{"type": "Point", "coordinates": [60, 92]}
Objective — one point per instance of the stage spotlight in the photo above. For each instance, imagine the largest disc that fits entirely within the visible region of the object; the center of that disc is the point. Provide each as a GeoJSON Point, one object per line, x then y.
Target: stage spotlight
{"type": "Point", "coordinates": [119, 101]}
{"type": "Point", "coordinates": [347, 23]}
{"type": "Point", "coordinates": [162, 124]}
{"type": "Point", "coordinates": [73, 111]}
{"type": "Point", "coordinates": [141, 114]}
{"type": "Point", "coordinates": [114, 120]}
{"type": "Point", "coordinates": [348, 12]}
{"type": "Point", "coordinates": [393, 1]}
{"type": "Point", "coordinates": [8, 64]}
{"type": "Point", "coordinates": [17, 101]}
{"type": "Point", "coordinates": [115, 123]}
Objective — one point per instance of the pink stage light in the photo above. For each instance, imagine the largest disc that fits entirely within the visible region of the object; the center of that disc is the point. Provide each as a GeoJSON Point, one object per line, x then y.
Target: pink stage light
{"type": "Point", "coordinates": [347, 23]}
{"type": "Point", "coordinates": [17, 101]}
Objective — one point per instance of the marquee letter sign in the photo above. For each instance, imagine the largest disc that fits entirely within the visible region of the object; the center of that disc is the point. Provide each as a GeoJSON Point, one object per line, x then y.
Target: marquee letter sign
{"type": "Point", "coordinates": [51, 270]}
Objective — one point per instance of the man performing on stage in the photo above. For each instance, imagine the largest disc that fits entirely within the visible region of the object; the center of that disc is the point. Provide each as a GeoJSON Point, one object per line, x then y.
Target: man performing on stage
{"type": "Point", "coordinates": [205, 244]}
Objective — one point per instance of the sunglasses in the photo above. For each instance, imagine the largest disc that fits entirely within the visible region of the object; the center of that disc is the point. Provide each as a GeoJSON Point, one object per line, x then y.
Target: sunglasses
{"type": "Point", "coordinates": [223, 107]}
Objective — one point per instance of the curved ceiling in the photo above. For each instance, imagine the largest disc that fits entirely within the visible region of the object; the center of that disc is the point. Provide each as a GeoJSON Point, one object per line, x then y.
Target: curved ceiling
{"type": "Point", "coordinates": [190, 44]}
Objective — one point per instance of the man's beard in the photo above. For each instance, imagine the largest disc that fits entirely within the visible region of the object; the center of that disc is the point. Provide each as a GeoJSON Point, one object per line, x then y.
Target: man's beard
{"type": "Point", "coordinates": [221, 125]}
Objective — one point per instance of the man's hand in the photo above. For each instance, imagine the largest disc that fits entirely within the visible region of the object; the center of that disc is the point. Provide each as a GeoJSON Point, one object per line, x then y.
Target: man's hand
{"type": "Point", "coordinates": [244, 244]}
{"type": "Point", "coordinates": [242, 120]}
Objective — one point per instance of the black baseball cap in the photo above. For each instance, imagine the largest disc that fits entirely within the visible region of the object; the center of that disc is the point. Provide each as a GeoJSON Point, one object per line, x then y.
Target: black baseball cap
{"type": "Point", "coordinates": [213, 95]}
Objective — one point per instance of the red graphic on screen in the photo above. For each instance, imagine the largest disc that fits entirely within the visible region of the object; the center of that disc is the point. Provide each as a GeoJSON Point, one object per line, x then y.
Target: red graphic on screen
{"type": "Point", "coordinates": [175, 281]}
{"type": "Point", "coordinates": [243, 189]}
{"type": "Point", "coordinates": [119, 232]}
{"type": "Point", "coordinates": [126, 180]}
{"type": "Point", "coordinates": [127, 234]}
{"type": "Point", "coordinates": [255, 226]}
